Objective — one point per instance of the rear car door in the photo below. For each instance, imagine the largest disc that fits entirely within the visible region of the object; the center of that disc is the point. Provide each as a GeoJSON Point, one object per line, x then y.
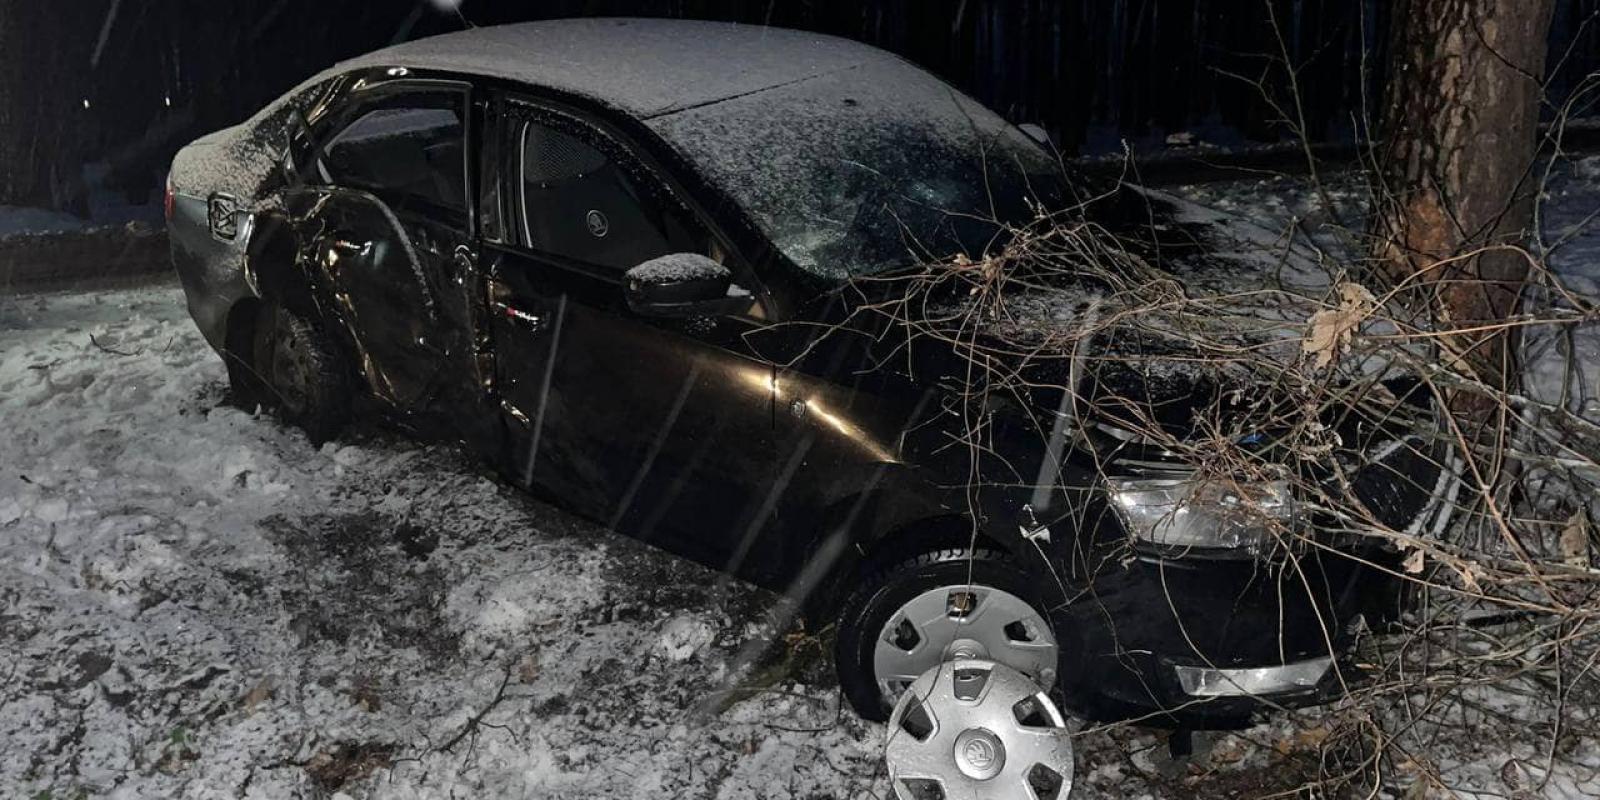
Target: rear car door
{"type": "Point", "coordinates": [386, 225]}
{"type": "Point", "coordinates": [661, 428]}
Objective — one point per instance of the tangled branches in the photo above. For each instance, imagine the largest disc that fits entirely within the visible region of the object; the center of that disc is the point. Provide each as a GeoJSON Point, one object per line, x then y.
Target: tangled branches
{"type": "Point", "coordinates": [1272, 367]}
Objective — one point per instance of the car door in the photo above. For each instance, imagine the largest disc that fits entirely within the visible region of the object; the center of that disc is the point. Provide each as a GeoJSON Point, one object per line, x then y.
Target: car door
{"type": "Point", "coordinates": [661, 428]}
{"type": "Point", "coordinates": [386, 223]}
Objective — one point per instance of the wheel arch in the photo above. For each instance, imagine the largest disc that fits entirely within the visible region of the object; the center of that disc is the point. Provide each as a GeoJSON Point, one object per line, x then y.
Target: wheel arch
{"type": "Point", "coordinates": [238, 351]}
{"type": "Point", "coordinates": [274, 274]}
{"type": "Point", "coordinates": [884, 525]}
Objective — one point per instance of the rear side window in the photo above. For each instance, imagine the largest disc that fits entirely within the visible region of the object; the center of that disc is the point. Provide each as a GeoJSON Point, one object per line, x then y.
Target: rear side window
{"type": "Point", "coordinates": [410, 148]}
{"type": "Point", "coordinates": [581, 203]}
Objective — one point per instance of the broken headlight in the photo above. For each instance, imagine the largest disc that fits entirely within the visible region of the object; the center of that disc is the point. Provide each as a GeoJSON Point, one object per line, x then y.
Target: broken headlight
{"type": "Point", "coordinates": [1205, 514]}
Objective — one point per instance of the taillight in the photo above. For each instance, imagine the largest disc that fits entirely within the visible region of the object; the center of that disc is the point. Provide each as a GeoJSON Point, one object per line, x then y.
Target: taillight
{"type": "Point", "coordinates": [170, 202]}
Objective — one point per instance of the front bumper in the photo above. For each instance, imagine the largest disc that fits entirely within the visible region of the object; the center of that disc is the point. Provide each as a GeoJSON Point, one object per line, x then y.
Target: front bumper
{"type": "Point", "coordinates": [1209, 643]}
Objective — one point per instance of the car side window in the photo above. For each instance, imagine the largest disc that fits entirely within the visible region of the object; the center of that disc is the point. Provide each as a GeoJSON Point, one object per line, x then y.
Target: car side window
{"type": "Point", "coordinates": [408, 148]}
{"type": "Point", "coordinates": [580, 202]}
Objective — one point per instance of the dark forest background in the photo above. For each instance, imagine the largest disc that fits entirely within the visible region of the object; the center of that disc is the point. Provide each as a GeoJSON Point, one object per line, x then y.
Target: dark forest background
{"type": "Point", "coordinates": [123, 83]}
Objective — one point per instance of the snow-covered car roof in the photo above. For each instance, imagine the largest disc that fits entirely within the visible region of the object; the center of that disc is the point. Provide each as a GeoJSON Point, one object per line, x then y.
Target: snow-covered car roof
{"type": "Point", "coordinates": [644, 67]}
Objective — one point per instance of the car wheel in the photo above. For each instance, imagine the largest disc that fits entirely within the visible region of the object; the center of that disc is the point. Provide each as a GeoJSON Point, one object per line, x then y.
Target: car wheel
{"type": "Point", "coordinates": [939, 606]}
{"type": "Point", "coordinates": [299, 372]}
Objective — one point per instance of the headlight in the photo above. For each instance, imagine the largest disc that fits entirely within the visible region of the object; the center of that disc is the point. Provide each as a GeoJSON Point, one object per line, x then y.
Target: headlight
{"type": "Point", "coordinates": [1205, 514]}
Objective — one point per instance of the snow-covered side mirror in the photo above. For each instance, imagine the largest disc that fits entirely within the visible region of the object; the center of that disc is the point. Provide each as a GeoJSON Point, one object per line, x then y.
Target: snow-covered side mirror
{"type": "Point", "coordinates": [1037, 133]}
{"type": "Point", "coordinates": [684, 285]}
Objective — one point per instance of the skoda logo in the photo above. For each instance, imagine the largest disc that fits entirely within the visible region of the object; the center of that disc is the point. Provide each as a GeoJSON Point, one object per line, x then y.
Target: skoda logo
{"type": "Point", "coordinates": [979, 753]}
{"type": "Point", "coordinates": [598, 224]}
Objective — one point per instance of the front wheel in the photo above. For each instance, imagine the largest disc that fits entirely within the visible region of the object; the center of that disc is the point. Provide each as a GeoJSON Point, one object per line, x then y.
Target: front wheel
{"type": "Point", "coordinates": [298, 370]}
{"type": "Point", "coordinates": [907, 619]}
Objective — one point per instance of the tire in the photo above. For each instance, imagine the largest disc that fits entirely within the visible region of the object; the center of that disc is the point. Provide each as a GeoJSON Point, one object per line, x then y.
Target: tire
{"type": "Point", "coordinates": [999, 586]}
{"type": "Point", "coordinates": [297, 370]}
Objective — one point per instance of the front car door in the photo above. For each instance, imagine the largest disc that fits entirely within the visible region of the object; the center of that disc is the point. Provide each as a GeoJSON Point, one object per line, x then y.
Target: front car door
{"type": "Point", "coordinates": [661, 428]}
{"type": "Point", "coordinates": [385, 223]}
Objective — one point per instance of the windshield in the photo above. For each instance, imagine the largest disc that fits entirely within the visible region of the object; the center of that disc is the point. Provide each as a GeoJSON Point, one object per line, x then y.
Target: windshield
{"type": "Point", "coordinates": [867, 169]}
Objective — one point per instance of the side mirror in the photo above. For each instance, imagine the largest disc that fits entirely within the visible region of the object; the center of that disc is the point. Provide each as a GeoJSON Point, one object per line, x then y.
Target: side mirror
{"type": "Point", "coordinates": [684, 285]}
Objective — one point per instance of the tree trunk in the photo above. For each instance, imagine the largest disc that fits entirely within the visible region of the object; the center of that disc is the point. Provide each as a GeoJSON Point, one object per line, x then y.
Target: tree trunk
{"type": "Point", "coordinates": [1459, 128]}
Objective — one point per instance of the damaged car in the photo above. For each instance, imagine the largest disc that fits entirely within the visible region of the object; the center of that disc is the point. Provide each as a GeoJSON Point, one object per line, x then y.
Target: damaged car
{"type": "Point", "coordinates": [635, 265]}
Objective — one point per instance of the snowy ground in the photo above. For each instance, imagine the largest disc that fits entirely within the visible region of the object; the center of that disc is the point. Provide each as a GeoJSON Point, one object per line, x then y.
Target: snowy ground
{"type": "Point", "coordinates": [194, 602]}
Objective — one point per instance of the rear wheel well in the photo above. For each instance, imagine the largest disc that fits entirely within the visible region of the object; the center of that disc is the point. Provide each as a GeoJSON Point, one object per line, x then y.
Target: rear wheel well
{"type": "Point", "coordinates": [272, 262]}
{"type": "Point", "coordinates": [239, 350]}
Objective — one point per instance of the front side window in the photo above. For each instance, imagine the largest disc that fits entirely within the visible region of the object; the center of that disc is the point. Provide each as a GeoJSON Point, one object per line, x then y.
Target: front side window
{"type": "Point", "coordinates": [580, 203]}
{"type": "Point", "coordinates": [409, 149]}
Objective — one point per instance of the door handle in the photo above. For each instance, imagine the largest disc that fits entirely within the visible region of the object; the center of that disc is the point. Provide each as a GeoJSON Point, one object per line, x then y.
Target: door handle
{"type": "Point", "coordinates": [526, 320]}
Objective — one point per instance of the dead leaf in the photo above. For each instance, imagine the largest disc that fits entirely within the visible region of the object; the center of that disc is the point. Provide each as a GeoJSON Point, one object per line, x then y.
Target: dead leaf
{"type": "Point", "coordinates": [347, 762]}
{"type": "Point", "coordinates": [365, 694]}
{"type": "Point", "coordinates": [261, 693]}
{"type": "Point", "coordinates": [1331, 330]}
{"type": "Point", "coordinates": [528, 668]}
{"type": "Point", "coordinates": [1414, 562]}
{"type": "Point", "coordinates": [1510, 775]}
{"type": "Point", "coordinates": [1231, 750]}
{"type": "Point", "coordinates": [1303, 740]}
{"type": "Point", "coordinates": [1575, 540]}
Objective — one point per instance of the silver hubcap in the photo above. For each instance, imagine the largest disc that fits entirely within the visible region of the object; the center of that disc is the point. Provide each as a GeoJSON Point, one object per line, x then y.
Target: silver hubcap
{"type": "Point", "coordinates": [977, 729]}
{"type": "Point", "coordinates": [957, 622]}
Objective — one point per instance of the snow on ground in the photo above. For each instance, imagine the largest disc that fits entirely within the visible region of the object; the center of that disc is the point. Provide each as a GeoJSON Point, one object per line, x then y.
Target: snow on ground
{"type": "Point", "coordinates": [196, 603]}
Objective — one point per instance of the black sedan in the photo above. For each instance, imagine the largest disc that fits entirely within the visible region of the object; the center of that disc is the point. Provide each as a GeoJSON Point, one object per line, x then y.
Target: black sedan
{"type": "Point", "coordinates": [626, 260]}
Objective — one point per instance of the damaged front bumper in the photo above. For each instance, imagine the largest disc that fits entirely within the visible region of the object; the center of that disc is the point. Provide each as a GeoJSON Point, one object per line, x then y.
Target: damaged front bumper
{"type": "Point", "coordinates": [1209, 643]}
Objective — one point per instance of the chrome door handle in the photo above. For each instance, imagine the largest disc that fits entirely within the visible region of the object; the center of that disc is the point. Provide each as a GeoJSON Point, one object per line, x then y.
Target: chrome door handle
{"type": "Point", "coordinates": [516, 316]}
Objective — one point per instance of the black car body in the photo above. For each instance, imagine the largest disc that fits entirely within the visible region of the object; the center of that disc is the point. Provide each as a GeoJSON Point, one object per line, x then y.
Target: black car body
{"type": "Point", "coordinates": [458, 217]}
